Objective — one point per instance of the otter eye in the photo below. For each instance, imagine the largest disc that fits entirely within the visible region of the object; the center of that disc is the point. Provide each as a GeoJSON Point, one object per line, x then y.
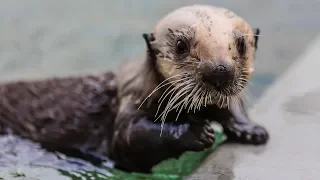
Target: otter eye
{"type": "Point", "coordinates": [241, 46]}
{"type": "Point", "coordinates": [181, 47]}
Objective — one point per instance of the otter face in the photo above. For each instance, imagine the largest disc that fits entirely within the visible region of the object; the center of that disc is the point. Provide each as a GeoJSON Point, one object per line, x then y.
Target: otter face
{"type": "Point", "coordinates": [211, 49]}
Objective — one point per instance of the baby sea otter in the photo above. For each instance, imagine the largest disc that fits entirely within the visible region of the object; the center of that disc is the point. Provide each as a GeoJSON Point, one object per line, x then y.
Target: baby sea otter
{"type": "Point", "coordinates": [199, 59]}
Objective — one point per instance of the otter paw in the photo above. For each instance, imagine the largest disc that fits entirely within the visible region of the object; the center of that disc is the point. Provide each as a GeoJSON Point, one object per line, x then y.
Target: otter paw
{"type": "Point", "coordinates": [247, 134]}
{"type": "Point", "coordinates": [206, 136]}
{"type": "Point", "coordinates": [198, 137]}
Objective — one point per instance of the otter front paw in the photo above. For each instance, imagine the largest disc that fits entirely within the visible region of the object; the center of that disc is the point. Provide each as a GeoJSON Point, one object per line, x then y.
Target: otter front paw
{"type": "Point", "coordinates": [247, 133]}
{"type": "Point", "coordinates": [197, 137]}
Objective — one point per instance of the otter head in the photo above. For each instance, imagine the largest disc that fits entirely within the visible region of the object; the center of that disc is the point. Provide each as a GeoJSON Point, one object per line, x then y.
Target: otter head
{"type": "Point", "coordinates": [207, 52]}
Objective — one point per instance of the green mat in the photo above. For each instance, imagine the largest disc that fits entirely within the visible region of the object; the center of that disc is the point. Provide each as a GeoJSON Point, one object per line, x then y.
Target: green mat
{"type": "Point", "coordinates": [171, 169]}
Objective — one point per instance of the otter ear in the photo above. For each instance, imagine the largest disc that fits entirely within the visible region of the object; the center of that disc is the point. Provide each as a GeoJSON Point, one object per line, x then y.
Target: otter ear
{"type": "Point", "coordinates": [148, 37]}
{"type": "Point", "coordinates": [256, 32]}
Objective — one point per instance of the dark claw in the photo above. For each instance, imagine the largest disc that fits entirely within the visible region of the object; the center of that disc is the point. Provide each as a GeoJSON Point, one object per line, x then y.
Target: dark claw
{"type": "Point", "coordinates": [209, 129]}
{"type": "Point", "coordinates": [207, 136]}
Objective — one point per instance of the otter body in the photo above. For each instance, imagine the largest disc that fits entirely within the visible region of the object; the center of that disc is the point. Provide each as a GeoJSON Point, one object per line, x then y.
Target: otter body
{"type": "Point", "coordinates": [198, 60]}
{"type": "Point", "coordinates": [70, 112]}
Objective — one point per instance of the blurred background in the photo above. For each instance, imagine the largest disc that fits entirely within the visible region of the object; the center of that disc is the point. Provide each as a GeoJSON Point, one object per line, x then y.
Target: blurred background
{"type": "Point", "coordinates": [60, 37]}
{"type": "Point", "coordinates": [44, 38]}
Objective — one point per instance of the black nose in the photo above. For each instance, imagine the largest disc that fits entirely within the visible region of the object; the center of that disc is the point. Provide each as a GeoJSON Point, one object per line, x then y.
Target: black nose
{"type": "Point", "coordinates": [219, 76]}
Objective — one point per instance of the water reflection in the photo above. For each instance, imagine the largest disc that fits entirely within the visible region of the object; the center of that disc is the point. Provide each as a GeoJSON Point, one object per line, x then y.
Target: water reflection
{"type": "Point", "coordinates": [20, 158]}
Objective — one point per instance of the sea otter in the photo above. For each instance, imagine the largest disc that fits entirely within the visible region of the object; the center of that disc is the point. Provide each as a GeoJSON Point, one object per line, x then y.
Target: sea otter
{"type": "Point", "coordinates": [198, 60]}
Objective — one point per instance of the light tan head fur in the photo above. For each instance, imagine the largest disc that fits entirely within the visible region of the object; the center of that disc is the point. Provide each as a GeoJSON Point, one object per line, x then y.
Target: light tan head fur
{"type": "Point", "coordinates": [212, 28]}
{"type": "Point", "coordinates": [213, 61]}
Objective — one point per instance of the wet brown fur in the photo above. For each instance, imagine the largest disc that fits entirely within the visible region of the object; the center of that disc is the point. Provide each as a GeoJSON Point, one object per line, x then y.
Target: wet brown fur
{"type": "Point", "coordinates": [68, 112]}
{"type": "Point", "coordinates": [107, 113]}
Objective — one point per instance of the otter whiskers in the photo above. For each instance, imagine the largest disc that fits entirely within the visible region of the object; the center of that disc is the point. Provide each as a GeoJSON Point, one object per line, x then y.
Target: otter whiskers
{"type": "Point", "coordinates": [186, 101]}
{"type": "Point", "coordinates": [174, 96]}
{"type": "Point", "coordinates": [195, 99]}
{"type": "Point", "coordinates": [175, 100]}
{"type": "Point", "coordinates": [162, 98]}
{"type": "Point", "coordinates": [159, 86]}
{"type": "Point", "coordinates": [181, 102]}
{"type": "Point", "coordinates": [186, 93]}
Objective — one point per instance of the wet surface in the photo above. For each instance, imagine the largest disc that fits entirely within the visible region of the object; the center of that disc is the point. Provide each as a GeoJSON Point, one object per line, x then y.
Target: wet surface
{"type": "Point", "coordinates": [220, 169]}
{"type": "Point", "coordinates": [21, 156]}
{"type": "Point", "coordinates": [44, 38]}
{"type": "Point", "coordinates": [307, 103]}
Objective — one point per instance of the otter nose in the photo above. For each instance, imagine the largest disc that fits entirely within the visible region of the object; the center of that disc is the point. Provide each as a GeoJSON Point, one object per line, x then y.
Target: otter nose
{"type": "Point", "coordinates": [221, 71]}
{"type": "Point", "coordinates": [219, 76]}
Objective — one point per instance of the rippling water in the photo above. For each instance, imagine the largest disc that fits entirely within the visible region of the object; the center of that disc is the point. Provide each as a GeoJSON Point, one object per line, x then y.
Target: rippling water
{"type": "Point", "coordinates": [20, 158]}
{"type": "Point", "coordinates": [44, 38]}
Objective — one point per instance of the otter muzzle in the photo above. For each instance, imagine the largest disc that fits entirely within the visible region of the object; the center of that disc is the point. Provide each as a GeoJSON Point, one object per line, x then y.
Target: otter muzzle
{"type": "Point", "coordinates": [219, 76]}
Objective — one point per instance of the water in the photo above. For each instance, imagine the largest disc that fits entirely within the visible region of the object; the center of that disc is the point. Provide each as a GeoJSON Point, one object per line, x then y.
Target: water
{"type": "Point", "coordinates": [45, 38]}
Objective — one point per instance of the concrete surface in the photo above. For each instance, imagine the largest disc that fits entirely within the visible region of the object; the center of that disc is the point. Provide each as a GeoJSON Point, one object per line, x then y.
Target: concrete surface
{"type": "Point", "coordinates": [290, 110]}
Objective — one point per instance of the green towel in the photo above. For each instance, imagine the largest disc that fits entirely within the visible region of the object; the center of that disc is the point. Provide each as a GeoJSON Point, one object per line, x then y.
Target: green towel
{"type": "Point", "coordinates": [171, 169]}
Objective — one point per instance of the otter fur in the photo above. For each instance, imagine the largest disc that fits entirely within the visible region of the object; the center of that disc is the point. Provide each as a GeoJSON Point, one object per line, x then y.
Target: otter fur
{"type": "Point", "coordinates": [198, 60]}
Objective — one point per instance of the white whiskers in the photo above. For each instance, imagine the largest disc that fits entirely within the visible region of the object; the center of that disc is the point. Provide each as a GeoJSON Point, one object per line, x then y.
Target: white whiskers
{"type": "Point", "coordinates": [159, 87]}
{"type": "Point", "coordinates": [185, 93]}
